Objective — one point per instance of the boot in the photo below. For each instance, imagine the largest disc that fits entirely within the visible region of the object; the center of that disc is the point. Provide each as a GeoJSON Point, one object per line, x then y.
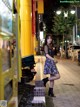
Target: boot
{"type": "Point", "coordinates": [50, 92]}
{"type": "Point", "coordinates": [45, 80]}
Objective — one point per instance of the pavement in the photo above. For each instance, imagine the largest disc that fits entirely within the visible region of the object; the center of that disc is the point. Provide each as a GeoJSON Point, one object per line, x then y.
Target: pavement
{"type": "Point", "coordinates": [67, 88]}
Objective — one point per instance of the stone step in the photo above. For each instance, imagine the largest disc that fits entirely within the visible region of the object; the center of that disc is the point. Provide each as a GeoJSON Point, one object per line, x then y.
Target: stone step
{"type": "Point", "coordinates": [39, 91]}
{"type": "Point", "coordinates": [39, 83]}
{"type": "Point", "coordinates": [38, 102]}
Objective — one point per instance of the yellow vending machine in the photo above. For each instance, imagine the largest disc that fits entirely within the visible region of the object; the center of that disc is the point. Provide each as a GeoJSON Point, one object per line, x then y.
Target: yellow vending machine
{"type": "Point", "coordinates": [8, 81]}
{"type": "Point", "coordinates": [8, 57]}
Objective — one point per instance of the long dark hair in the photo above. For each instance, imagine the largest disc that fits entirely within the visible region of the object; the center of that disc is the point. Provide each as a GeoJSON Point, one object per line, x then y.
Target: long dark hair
{"type": "Point", "coordinates": [47, 36]}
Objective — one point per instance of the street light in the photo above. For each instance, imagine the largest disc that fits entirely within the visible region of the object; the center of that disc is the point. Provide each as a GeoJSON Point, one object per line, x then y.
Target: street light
{"type": "Point", "coordinates": [77, 36]}
{"type": "Point", "coordinates": [65, 14]}
{"type": "Point", "coordinates": [58, 12]}
{"type": "Point", "coordinates": [72, 12]}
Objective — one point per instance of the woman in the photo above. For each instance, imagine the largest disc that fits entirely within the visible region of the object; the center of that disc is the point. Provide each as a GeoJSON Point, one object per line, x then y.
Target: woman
{"type": "Point", "coordinates": [50, 66]}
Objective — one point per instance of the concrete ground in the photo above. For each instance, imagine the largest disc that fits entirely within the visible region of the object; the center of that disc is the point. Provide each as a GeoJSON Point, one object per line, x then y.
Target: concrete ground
{"type": "Point", "coordinates": [67, 88]}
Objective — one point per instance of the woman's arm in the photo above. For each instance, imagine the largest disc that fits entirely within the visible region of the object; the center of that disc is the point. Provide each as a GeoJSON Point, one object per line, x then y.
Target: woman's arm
{"type": "Point", "coordinates": [48, 56]}
{"type": "Point", "coordinates": [46, 53]}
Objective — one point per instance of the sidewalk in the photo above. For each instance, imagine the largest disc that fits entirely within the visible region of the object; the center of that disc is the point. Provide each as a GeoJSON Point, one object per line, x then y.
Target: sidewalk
{"type": "Point", "coordinates": [67, 88]}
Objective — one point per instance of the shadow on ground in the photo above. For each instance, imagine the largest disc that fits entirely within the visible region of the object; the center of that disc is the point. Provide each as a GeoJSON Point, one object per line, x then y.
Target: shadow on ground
{"type": "Point", "coordinates": [49, 101]}
{"type": "Point", "coordinates": [25, 95]}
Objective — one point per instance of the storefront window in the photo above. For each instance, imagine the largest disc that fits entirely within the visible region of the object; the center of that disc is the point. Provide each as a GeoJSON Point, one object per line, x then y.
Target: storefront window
{"type": "Point", "coordinates": [6, 16]}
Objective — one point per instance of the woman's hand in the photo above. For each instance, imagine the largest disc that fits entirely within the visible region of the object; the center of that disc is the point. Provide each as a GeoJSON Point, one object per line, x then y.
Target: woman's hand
{"type": "Point", "coordinates": [48, 56]}
{"type": "Point", "coordinates": [55, 61]}
{"type": "Point", "coordinates": [53, 48]}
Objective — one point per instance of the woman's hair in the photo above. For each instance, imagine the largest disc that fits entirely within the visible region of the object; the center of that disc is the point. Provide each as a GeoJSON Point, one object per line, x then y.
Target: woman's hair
{"type": "Point", "coordinates": [47, 36]}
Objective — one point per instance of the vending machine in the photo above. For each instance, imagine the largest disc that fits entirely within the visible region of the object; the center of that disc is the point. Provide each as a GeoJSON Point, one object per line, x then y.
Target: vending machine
{"type": "Point", "coordinates": [8, 56]}
{"type": "Point", "coordinates": [8, 70]}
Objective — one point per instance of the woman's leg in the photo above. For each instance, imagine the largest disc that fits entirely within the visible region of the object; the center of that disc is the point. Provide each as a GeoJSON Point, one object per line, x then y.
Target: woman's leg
{"type": "Point", "coordinates": [50, 92]}
{"type": "Point", "coordinates": [51, 79]}
{"type": "Point", "coordinates": [54, 77]}
{"type": "Point", "coordinates": [51, 82]}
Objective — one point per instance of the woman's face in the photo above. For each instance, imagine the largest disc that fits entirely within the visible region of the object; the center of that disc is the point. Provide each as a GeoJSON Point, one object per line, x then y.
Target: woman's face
{"type": "Point", "coordinates": [49, 40]}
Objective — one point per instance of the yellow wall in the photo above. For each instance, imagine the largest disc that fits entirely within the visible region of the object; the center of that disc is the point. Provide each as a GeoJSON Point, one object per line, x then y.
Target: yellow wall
{"type": "Point", "coordinates": [35, 44]}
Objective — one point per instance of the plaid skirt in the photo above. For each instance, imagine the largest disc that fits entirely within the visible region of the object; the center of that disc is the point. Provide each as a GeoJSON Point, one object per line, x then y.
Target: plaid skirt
{"type": "Point", "coordinates": [50, 67]}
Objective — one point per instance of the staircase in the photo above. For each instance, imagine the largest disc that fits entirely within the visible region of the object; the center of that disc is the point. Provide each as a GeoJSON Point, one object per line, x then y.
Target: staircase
{"type": "Point", "coordinates": [39, 95]}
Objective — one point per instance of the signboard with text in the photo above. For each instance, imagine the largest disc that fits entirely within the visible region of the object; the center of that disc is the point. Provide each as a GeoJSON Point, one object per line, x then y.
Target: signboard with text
{"type": "Point", "coordinates": [69, 1]}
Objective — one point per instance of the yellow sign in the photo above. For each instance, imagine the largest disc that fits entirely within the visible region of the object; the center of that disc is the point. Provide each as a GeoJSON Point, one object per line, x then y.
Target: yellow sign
{"type": "Point", "coordinates": [40, 6]}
